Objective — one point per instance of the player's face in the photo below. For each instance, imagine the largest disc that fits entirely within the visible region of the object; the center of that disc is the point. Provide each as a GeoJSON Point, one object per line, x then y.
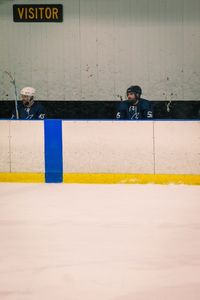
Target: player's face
{"type": "Point", "coordinates": [131, 96]}
{"type": "Point", "coordinates": [25, 100]}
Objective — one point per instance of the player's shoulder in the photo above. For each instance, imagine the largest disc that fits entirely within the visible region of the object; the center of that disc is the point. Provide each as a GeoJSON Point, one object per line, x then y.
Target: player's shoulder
{"type": "Point", "coordinates": [124, 104]}
{"type": "Point", "coordinates": [38, 106]}
{"type": "Point", "coordinates": [142, 100]}
{"type": "Point", "coordinates": [145, 102]}
{"type": "Point", "coordinates": [20, 106]}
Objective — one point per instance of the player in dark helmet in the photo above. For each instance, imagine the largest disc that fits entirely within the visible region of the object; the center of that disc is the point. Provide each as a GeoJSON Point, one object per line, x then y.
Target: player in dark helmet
{"type": "Point", "coordinates": [135, 108]}
{"type": "Point", "coordinates": [134, 92]}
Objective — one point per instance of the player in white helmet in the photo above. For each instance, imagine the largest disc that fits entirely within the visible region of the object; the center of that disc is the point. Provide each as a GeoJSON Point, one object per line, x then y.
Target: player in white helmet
{"type": "Point", "coordinates": [29, 109]}
{"type": "Point", "coordinates": [27, 96]}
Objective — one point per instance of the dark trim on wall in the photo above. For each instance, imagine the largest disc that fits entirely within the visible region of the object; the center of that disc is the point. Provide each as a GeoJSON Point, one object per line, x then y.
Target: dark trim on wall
{"type": "Point", "coordinates": [83, 110]}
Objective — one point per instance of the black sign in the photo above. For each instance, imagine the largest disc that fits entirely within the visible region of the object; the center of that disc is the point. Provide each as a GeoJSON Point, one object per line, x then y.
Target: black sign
{"type": "Point", "coordinates": [37, 13]}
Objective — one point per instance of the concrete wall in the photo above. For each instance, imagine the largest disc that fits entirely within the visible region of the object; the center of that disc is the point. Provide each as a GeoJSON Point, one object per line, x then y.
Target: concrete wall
{"type": "Point", "coordinates": [102, 47]}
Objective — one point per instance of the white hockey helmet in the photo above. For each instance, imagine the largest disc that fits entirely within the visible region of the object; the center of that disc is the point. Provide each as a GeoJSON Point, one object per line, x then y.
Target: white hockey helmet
{"type": "Point", "coordinates": [28, 91]}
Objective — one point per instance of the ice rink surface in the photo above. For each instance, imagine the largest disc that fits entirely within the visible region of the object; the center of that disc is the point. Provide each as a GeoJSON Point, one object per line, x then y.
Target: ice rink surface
{"type": "Point", "coordinates": [99, 242]}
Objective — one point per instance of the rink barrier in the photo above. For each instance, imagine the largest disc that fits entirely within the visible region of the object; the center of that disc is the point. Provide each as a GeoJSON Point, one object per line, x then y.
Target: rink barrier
{"type": "Point", "coordinates": [53, 163]}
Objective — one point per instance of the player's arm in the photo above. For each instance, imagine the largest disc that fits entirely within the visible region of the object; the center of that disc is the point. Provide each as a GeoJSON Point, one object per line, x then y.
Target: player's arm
{"type": "Point", "coordinates": [121, 112]}
{"type": "Point", "coordinates": [13, 117]}
{"type": "Point", "coordinates": [41, 112]}
{"type": "Point", "coordinates": [148, 111]}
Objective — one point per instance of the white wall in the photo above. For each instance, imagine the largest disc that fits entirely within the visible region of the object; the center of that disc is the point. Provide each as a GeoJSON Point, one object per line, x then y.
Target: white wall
{"type": "Point", "coordinates": [5, 146]}
{"type": "Point", "coordinates": [102, 47]}
{"type": "Point", "coordinates": [177, 147]}
{"type": "Point", "coordinates": [131, 147]}
{"type": "Point", "coordinates": [22, 146]}
{"type": "Point", "coordinates": [105, 147]}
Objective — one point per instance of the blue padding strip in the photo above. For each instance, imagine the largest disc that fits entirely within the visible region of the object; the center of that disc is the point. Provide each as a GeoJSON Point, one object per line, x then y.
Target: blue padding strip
{"type": "Point", "coordinates": [53, 150]}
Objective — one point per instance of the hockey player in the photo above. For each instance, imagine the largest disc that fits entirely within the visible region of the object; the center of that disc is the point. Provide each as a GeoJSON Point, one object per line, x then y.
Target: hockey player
{"type": "Point", "coordinates": [28, 109]}
{"type": "Point", "coordinates": [135, 108]}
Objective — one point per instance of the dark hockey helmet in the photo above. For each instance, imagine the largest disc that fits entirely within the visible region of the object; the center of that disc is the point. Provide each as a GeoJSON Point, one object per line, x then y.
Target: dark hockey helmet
{"type": "Point", "coordinates": [136, 89]}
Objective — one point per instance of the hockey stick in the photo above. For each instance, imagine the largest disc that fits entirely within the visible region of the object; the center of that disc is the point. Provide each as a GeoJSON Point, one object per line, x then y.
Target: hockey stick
{"type": "Point", "coordinates": [118, 96]}
{"type": "Point", "coordinates": [15, 92]}
{"type": "Point", "coordinates": [170, 102]}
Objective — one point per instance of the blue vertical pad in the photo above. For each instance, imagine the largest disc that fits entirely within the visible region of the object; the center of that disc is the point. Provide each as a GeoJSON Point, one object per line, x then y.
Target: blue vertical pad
{"type": "Point", "coordinates": [53, 151]}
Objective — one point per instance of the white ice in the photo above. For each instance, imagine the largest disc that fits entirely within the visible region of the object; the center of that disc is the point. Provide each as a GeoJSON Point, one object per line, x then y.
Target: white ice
{"type": "Point", "coordinates": [99, 242]}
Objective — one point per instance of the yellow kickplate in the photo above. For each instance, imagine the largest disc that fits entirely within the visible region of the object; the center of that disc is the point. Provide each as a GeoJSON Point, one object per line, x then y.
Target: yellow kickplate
{"type": "Point", "coordinates": [22, 177]}
{"type": "Point", "coordinates": [132, 178]}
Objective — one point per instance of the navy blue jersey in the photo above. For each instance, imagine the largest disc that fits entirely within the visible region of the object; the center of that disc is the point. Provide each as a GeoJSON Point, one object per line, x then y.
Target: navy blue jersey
{"type": "Point", "coordinates": [35, 112]}
{"type": "Point", "coordinates": [128, 111]}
